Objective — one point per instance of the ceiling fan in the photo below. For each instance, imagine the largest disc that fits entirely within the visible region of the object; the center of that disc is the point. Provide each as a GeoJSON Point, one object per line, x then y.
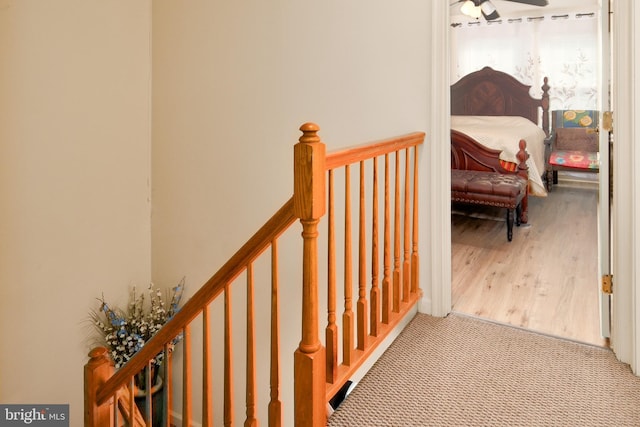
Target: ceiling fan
{"type": "Point", "coordinates": [475, 8]}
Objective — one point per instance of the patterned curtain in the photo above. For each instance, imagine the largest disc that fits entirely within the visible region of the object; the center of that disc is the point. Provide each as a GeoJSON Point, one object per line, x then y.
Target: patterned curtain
{"type": "Point", "coordinates": [563, 48]}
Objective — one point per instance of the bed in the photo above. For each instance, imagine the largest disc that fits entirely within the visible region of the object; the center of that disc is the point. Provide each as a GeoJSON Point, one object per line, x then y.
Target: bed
{"type": "Point", "coordinates": [492, 110]}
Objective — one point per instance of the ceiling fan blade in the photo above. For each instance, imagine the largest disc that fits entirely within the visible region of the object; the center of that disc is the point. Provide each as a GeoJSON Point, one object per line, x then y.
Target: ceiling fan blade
{"type": "Point", "coordinates": [532, 2]}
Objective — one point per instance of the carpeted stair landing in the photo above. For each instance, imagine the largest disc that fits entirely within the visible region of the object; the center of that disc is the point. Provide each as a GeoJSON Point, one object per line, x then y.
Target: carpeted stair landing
{"type": "Point", "coordinates": [462, 371]}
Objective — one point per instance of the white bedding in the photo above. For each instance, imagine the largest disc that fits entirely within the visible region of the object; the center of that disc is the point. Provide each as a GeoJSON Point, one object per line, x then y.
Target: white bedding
{"type": "Point", "coordinates": [504, 133]}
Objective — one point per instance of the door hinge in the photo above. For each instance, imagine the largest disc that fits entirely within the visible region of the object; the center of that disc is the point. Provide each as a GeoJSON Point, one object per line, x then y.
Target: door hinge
{"type": "Point", "coordinates": [607, 121]}
{"type": "Point", "coordinates": [607, 284]}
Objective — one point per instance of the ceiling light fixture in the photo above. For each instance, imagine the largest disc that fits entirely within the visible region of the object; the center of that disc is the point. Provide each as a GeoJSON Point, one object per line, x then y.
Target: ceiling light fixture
{"type": "Point", "coordinates": [470, 9]}
{"type": "Point", "coordinates": [477, 8]}
{"type": "Point", "coordinates": [489, 11]}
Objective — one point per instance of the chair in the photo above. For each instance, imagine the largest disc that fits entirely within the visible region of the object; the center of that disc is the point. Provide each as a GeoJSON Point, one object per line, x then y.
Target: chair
{"type": "Point", "coordinates": [573, 144]}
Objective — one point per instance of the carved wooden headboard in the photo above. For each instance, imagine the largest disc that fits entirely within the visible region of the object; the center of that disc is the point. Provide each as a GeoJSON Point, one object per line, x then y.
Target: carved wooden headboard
{"type": "Point", "coordinates": [488, 92]}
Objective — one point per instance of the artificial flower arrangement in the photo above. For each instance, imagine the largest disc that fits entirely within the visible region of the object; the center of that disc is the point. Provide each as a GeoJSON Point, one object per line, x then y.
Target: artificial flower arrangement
{"type": "Point", "coordinates": [124, 332]}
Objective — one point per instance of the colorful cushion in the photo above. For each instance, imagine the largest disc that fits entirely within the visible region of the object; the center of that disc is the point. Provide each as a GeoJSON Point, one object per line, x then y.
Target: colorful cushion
{"type": "Point", "coordinates": [575, 119]}
{"type": "Point", "coordinates": [575, 159]}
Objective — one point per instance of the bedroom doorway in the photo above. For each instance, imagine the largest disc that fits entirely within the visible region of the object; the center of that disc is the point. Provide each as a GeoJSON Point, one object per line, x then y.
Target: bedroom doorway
{"type": "Point", "coordinates": [547, 278]}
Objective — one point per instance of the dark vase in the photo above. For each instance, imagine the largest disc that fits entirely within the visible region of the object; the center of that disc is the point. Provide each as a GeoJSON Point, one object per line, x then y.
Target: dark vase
{"type": "Point", "coordinates": [157, 395]}
{"type": "Point", "coordinates": [141, 378]}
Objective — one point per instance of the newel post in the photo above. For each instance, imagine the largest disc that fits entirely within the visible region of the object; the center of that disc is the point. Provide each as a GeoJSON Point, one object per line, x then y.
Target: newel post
{"type": "Point", "coordinates": [97, 371]}
{"type": "Point", "coordinates": [309, 206]}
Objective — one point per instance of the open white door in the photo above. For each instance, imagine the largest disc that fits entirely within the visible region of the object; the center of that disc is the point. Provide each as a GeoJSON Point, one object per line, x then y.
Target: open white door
{"type": "Point", "coordinates": [605, 193]}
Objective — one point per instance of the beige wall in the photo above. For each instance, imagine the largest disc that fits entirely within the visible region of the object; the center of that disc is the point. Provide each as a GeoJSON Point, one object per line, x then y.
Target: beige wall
{"type": "Point", "coordinates": [74, 183]}
{"type": "Point", "coordinates": [232, 82]}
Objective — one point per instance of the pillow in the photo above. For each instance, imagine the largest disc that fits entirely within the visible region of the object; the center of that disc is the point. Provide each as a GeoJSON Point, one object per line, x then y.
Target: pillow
{"type": "Point", "coordinates": [575, 119]}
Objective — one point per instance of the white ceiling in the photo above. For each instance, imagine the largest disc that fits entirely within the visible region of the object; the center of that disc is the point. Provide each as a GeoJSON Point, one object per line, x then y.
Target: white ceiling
{"type": "Point", "coordinates": [512, 9]}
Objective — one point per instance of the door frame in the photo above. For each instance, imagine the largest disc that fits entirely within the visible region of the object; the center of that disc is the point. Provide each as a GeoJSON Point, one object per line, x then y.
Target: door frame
{"type": "Point", "coordinates": [625, 331]}
{"type": "Point", "coordinates": [436, 235]}
{"type": "Point", "coordinates": [604, 194]}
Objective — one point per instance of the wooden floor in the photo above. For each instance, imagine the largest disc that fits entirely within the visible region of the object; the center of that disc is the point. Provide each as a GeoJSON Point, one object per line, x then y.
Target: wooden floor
{"type": "Point", "coordinates": [546, 279]}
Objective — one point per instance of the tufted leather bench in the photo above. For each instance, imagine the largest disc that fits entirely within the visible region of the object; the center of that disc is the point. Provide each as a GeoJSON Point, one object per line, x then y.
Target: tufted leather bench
{"type": "Point", "coordinates": [490, 189]}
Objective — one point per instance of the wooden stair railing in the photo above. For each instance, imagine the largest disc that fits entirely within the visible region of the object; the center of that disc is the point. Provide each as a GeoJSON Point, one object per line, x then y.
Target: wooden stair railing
{"type": "Point", "coordinates": [101, 389]}
{"type": "Point", "coordinates": [318, 374]}
{"type": "Point", "coordinates": [389, 301]}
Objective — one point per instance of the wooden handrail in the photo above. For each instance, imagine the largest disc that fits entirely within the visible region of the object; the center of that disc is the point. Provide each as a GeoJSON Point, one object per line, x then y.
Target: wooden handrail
{"type": "Point", "coordinates": [357, 153]}
{"type": "Point", "coordinates": [261, 240]}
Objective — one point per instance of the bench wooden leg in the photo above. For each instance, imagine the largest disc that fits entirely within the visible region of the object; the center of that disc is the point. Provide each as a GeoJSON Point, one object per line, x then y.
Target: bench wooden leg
{"type": "Point", "coordinates": [524, 209]}
{"type": "Point", "coordinates": [509, 224]}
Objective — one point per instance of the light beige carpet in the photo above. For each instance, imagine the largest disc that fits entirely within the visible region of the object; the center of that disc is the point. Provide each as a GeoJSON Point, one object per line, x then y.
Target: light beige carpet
{"type": "Point", "coordinates": [462, 371]}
